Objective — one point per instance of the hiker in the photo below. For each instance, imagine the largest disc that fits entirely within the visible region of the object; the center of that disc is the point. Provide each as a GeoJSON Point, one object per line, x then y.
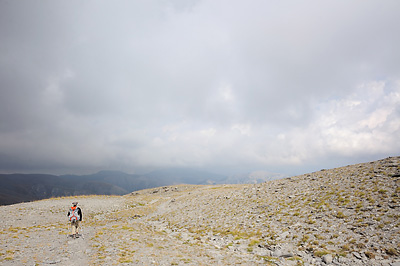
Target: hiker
{"type": "Point", "coordinates": [75, 216]}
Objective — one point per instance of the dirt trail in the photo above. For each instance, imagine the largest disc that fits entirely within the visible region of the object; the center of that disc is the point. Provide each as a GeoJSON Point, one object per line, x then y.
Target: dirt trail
{"type": "Point", "coordinates": [36, 233]}
{"type": "Point", "coordinates": [137, 236]}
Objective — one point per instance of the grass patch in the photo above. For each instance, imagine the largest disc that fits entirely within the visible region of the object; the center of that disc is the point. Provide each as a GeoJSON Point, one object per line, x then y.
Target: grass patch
{"type": "Point", "coordinates": [340, 215]}
{"type": "Point", "coordinates": [253, 242]}
{"type": "Point", "coordinates": [320, 253]}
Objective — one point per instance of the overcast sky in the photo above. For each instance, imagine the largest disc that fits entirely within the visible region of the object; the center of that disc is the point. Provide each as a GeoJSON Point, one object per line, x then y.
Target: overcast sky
{"type": "Point", "coordinates": [225, 85]}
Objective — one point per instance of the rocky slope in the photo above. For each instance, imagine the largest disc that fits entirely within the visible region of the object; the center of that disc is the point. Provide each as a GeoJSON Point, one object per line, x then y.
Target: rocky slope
{"type": "Point", "coordinates": [343, 216]}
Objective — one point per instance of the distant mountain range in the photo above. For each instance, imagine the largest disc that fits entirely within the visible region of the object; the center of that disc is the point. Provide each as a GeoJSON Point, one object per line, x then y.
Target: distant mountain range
{"type": "Point", "coordinates": [16, 188]}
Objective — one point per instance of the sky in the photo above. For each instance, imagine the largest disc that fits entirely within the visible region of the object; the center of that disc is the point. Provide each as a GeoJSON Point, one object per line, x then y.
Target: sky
{"type": "Point", "coordinates": [227, 86]}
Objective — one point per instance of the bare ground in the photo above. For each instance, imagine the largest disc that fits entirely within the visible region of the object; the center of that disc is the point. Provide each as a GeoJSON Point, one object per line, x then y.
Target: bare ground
{"type": "Point", "coordinates": [342, 216]}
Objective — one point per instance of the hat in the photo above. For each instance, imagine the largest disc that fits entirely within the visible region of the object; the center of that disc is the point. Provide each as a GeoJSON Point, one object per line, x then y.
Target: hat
{"type": "Point", "coordinates": [75, 203]}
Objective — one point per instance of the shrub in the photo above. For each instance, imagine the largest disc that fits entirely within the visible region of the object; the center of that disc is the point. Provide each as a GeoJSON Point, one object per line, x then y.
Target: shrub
{"type": "Point", "coordinates": [311, 221]}
{"type": "Point", "coordinates": [391, 251]}
{"type": "Point", "coordinates": [345, 247]}
{"type": "Point", "coordinates": [370, 254]}
{"type": "Point", "coordinates": [305, 238]}
{"type": "Point", "coordinates": [382, 191]}
{"type": "Point", "coordinates": [340, 215]}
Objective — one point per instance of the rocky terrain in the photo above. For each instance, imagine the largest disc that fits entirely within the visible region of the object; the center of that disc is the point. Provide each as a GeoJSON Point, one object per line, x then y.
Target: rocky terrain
{"type": "Point", "coordinates": [342, 216]}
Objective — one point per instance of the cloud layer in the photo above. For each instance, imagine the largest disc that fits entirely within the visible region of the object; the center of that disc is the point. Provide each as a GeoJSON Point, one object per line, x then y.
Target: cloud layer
{"type": "Point", "coordinates": [224, 85]}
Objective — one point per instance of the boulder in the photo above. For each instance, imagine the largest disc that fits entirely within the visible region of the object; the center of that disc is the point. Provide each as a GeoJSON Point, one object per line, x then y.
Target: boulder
{"type": "Point", "coordinates": [327, 259]}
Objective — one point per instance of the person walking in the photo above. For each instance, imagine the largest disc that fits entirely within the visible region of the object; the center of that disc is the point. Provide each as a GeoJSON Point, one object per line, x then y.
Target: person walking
{"type": "Point", "coordinates": [75, 216]}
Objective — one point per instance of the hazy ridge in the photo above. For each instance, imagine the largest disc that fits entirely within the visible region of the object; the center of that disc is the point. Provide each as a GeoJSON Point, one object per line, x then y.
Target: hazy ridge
{"type": "Point", "coordinates": [18, 188]}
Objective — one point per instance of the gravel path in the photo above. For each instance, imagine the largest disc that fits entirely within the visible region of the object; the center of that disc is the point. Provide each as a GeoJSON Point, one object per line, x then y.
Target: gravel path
{"type": "Point", "coordinates": [36, 233]}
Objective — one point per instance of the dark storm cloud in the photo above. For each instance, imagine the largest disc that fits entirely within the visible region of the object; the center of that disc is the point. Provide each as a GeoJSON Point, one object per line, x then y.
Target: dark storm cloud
{"type": "Point", "coordinates": [97, 84]}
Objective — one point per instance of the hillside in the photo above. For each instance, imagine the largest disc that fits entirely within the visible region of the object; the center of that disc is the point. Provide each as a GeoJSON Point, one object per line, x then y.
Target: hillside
{"type": "Point", "coordinates": [17, 188]}
{"type": "Point", "coordinates": [342, 216]}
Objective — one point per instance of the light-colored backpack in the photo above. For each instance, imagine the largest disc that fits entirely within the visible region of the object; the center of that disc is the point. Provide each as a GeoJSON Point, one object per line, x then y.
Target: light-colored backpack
{"type": "Point", "coordinates": [73, 214]}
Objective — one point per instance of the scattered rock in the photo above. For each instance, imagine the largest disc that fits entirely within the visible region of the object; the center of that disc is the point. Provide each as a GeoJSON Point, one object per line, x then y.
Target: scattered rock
{"type": "Point", "coordinates": [357, 255]}
{"type": "Point", "coordinates": [352, 211]}
{"type": "Point", "coordinates": [276, 253]}
{"type": "Point", "coordinates": [286, 254]}
{"type": "Point", "coordinates": [327, 259]}
{"type": "Point", "coordinates": [52, 262]}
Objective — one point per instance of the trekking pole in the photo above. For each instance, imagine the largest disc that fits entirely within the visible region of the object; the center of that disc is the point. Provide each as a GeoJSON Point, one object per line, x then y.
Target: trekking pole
{"type": "Point", "coordinates": [69, 229]}
{"type": "Point", "coordinates": [83, 237]}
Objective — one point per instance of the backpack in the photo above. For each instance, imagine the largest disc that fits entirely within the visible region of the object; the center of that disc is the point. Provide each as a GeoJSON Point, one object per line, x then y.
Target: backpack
{"type": "Point", "coordinates": [73, 214]}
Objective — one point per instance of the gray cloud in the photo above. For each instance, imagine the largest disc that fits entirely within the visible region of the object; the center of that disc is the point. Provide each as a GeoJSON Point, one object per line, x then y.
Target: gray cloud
{"type": "Point", "coordinates": [219, 84]}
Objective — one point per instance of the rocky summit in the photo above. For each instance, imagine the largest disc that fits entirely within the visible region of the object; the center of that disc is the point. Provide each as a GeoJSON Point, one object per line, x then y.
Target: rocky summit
{"type": "Point", "coordinates": [342, 216]}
